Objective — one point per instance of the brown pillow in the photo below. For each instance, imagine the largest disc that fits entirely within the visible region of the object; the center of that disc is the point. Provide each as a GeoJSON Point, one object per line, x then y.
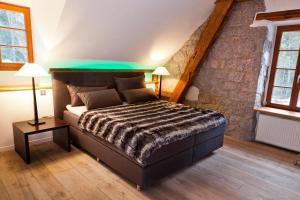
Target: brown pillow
{"type": "Point", "coordinates": [130, 83]}
{"type": "Point", "coordinates": [139, 95]}
{"type": "Point", "coordinates": [100, 98]}
{"type": "Point", "coordinates": [73, 90]}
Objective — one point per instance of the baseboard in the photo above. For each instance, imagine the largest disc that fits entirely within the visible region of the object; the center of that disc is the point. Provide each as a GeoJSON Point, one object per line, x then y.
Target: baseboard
{"type": "Point", "coordinates": [36, 141]}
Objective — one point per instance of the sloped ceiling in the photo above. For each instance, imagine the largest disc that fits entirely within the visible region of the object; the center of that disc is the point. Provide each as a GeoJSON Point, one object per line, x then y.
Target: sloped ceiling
{"type": "Point", "coordinates": [145, 31]}
{"type": "Point", "coordinates": [132, 30]}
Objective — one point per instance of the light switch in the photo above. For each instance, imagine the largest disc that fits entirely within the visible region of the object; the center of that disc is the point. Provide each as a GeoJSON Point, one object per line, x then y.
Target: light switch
{"type": "Point", "coordinates": [43, 92]}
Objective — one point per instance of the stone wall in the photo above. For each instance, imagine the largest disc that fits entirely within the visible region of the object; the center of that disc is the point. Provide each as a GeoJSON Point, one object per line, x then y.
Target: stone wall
{"type": "Point", "coordinates": [233, 77]}
{"type": "Point", "coordinates": [179, 60]}
{"type": "Point", "coordinates": [227, 80]}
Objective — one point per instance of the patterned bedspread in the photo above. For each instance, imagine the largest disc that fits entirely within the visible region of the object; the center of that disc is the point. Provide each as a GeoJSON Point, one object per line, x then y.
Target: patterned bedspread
{"type": "Point", "coordinates": [141, 129]}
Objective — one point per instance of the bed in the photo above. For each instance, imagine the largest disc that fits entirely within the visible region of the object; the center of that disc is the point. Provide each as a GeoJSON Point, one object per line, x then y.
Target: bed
{"type": "Point", "coordinates": [148, 161]}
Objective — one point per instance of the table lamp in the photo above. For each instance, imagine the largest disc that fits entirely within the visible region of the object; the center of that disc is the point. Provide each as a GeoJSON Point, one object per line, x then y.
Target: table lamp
{"type": "Point", "coordinates": [33, 70]}
{"type": "Point", "coordinates": [160, 71]}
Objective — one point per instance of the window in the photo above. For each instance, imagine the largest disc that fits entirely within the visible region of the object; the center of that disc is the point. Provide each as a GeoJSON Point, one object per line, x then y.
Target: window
{"type": "Point", "coordinates": [15, 37]}
{"type": "Point", "coordinates": [284, 84]}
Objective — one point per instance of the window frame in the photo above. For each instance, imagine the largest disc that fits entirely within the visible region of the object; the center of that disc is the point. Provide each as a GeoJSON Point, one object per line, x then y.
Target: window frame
{"type": "Point", "coordinates": [28, 32]}
{"type": "Point", "coordinates": [296, 86]}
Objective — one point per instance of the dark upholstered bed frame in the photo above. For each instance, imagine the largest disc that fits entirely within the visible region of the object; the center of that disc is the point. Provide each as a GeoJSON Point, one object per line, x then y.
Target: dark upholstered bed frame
{"type": "Point", "coordinates": [169, 159]}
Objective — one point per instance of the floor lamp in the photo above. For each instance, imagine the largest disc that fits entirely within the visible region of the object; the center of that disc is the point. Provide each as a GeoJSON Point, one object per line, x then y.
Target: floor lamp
{"type": "Point", "coordinates": [33, 70]}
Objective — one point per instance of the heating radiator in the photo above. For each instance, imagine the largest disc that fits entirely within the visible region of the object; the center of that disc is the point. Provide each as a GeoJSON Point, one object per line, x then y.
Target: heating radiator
{"type": "Point", "coordinates": [278, 131]}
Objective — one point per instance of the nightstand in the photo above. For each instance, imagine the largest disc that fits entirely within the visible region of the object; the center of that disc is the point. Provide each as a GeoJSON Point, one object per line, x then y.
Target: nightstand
{"type": "Point", "coordinates": [22, 130]}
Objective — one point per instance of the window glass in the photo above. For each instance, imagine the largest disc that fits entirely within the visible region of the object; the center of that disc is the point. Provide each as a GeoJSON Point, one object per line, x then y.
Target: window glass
{"type": "Point", "coordinates": [283, 89]}
{"type": "Point", "coordinates": [290, 40]}
{"type": "Point", "coordinates": [284, 78]}
{"type": "Point", "coordinates": [15, 39]}
{"type": "Point", "coordinates": [10, 37]}
{"type": "Point", "coordinates": [287, 59]}
{"type": "Point", "coordinates": [281, 95]}
{"type": "Point", "coordinates": [14, 55]}
{"type": "Point", "coordinates": [12, 19]}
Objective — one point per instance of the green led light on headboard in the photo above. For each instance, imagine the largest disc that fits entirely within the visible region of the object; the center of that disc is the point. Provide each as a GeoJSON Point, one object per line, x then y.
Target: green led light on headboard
{"type": "Point", "coordinates": [90, 64]}
{"type": "Point", "coordinates": [96, 65]}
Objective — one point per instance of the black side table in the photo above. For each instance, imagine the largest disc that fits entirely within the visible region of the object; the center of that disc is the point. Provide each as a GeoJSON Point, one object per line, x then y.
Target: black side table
{"type": "Point", "coordinates": [61, 135]}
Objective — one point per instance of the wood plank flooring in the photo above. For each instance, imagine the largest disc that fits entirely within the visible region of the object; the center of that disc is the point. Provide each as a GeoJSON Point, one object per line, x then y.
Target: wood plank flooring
{"type": "Point", "coordinates": [240, 170]}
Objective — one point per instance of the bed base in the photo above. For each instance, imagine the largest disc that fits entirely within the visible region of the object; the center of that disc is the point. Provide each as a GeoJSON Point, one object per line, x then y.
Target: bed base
{"type": "Point", "coordinates": [145, 176]}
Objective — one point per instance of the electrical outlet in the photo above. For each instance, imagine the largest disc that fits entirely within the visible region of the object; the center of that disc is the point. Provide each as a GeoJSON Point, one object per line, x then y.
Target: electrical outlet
{"type": "Point", "coordinates": [43, 92]}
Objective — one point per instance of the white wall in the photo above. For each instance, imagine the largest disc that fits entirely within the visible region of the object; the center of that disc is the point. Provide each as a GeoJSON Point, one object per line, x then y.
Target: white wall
{"type": "Point", "coordinates": [18, 106]}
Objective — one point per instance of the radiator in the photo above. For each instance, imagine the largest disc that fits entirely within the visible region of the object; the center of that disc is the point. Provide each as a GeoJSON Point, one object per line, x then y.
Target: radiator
{"type": "Point", "coordinates": [278, 131]}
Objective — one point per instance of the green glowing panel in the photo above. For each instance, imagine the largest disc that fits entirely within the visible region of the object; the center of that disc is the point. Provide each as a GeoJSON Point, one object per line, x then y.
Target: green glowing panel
{"type": "Point", "coordinates": [90, 64]}
{"type": "Point", "coordinates": [97, 64]}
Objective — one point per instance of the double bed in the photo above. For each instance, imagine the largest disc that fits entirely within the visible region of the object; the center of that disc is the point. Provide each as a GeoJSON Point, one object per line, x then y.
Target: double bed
{"type": "Point", "coordinates": [142, 142]}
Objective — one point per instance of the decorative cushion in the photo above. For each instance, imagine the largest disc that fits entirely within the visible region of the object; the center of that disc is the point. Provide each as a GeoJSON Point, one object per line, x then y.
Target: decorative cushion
{"type": "Point", "coordinates": [73, 90]}
{"type": "Point", "coordinates": [129, 83]}
{"type": "Point", "coordinates": [139, 95]}
{"type": "Point", "coordinates": [100, 98]}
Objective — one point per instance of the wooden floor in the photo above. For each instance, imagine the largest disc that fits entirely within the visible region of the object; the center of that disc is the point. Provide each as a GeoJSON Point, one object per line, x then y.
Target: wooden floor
{"type": "Point", "coordinates": [239, 170]}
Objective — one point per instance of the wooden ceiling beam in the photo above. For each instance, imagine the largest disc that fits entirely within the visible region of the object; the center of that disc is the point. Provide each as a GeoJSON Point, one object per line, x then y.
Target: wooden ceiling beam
{"type": "Point", "coordinates": [279, 15]}
{"type": "Point", "coordinates": [214, 24]}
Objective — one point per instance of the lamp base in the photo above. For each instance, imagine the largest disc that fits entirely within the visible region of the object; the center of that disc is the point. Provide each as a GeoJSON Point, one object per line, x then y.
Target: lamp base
{"type": "Point", "coordinates": [33, 123]}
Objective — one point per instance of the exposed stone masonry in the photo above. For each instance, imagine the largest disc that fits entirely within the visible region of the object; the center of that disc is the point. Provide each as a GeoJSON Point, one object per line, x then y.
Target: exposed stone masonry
{"type": "Point", "coordinates": [179, 60]}
{"type": "Point", "coordinates": [227, 80]}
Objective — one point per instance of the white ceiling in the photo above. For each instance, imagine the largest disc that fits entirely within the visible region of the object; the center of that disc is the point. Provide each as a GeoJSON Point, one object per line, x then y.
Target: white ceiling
{"type": "Point", "coordinates": [133, 30]}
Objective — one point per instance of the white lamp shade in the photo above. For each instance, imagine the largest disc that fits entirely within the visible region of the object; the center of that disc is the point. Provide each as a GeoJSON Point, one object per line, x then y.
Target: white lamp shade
{"type": "Point", "coordinates": [161, 71]}
{"type": "Point", "coordinates": [32, 70]}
